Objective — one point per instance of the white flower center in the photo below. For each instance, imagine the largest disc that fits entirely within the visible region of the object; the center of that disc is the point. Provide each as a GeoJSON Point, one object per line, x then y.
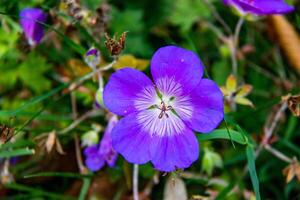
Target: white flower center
{"type": "Point", "coordinates": [162, 111]}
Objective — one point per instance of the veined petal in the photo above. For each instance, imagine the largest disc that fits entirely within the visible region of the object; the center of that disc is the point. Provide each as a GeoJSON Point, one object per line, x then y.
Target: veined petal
{"type": "Point", "coordinates": [203, 109]}
{"type": "Point", "coordinates": [128, 91]}
{"type": "Point", "coordinates": [176, 70]}
{"type": "Point", "coordinates": [131, 140]}
{"type": "Point", "coordinates": [178, 151]}
{"type": "Point", "coordinates": [133, 135]}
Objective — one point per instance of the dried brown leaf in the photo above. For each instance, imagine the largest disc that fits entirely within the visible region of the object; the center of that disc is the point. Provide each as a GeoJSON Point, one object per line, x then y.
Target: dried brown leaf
{"type": "Point", "coordinates": [175, 189]}
{"type": "Point", "coordinates": [50, 141]}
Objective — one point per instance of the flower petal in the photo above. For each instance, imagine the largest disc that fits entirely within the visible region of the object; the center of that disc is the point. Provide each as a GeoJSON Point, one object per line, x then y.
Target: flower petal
{"type": "Point", "coordinates": [106, 149]}
{"type": "Point", "coordinates": [29, 18]}
{"type": "Point", "coordinates": [131, 140]}
{"type": "Point", "coordinates": [94, 161]}
{"type": "Point", "coordinates": [231, 83]}
{"type": "Point", "coordinates": [203, 109]}
{"type": "Point", "coordinates": [244, 90]}
{"type": "Point", "coordinates": [243, 101]}
{"type": "Point", "coordinates": [176, 70]}
{"type": "Point", "coordinates": [178, 151]}
{"type": "Point", "coordinates": [260, 7]}
{"type": "Point", "coordinates": [128, 91]}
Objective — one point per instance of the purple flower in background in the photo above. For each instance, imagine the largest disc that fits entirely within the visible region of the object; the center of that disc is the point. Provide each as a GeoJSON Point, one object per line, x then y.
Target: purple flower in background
{"type": "Point", "coordinates": [260, 7]}
{"type": "Point", "coordinates": [94, 161]}
{"type": "Point", "coordinates": [98, 155]}
{"type": "Point", "coordinates": [92, 57]}
{"type": "Point", "coordinates": [159, 118]}
{"type": "Point", "coordinates": [34, 31]}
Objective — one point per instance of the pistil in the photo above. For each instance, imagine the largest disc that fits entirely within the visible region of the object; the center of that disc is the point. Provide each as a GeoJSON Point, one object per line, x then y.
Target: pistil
{"type": "Point", "coordinates": [164, 108]}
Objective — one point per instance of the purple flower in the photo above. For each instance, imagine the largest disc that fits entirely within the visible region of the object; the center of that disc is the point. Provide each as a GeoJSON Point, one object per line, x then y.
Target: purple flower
{"type": "Point", "coordinates": [159, 118]}
{"type": "Point", "coordinates": [98, 155]}
{"type": "Point", "coordinates": [34, 31]}
{"type": "Point", "coordinates": [260, 7]}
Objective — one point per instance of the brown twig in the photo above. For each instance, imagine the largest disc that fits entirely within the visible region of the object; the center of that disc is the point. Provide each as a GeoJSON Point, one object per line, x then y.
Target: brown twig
{"type": "Point", "coordinates": [278, 154]}
{"type": "Point", "coordinates": [269, 129]}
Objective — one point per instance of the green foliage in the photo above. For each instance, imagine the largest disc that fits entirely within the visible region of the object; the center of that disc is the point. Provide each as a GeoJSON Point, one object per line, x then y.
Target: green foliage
{"type": "Point", "coordinates": [186, 12]}
{"type": "Point", "coordinates": [30, 72]}
{"type": "Point", "coordinates": [210, 161]}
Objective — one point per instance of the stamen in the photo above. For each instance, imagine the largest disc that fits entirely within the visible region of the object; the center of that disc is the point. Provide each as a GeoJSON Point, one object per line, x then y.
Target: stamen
{"type": "Point", "coordinates": [163, 109]}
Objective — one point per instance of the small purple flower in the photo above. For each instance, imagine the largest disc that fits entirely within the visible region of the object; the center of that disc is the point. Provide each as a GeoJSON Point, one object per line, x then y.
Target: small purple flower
{"type": "Point", "coordinates": [94, 161]}
{"type": "Point", "coordinates": [159, 118]}
{"type": "Point", "coordinates": [92, 58]}
{"type": "Point", "coordinates": [34, 31]}
{"type": "Point", "coordinates": [98, 155]}
{"type": "Point", "coordinates": [260, 7]}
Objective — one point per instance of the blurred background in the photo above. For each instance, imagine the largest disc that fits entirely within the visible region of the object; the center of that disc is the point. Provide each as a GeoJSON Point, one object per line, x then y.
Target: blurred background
{"type": "Point", "coordinates": [51, 107]}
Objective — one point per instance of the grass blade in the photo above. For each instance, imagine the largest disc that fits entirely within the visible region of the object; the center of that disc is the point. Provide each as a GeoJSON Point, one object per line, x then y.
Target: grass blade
{"type": "Point", "coordinates": [16, 152]}
{"type": "Point", "coordinates": [84, 188]}
{"type": "Point", "coordinates": [252, 170]}
{"type": "Point", "coordinates": [33, 101]}
{"type": "Point", "coordinates": [23, 188]}
{"type": "Point", "coordinates": [58, 174]}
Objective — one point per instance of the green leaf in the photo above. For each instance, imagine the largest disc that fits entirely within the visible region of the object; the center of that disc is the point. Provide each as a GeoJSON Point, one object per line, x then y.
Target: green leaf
{"type": "Point", "coordinates": [252, 170]}
{"type": "Point", "coordinates": [223, 134]}
{"type": "Point", "coordinates": [210, 161]}
{"type": "Point", "coordinates": [19, 143]}
{"type": "Point", "coordinates": [16, 152]}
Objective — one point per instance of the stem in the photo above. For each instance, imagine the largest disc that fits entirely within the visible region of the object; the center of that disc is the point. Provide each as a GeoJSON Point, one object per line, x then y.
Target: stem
{"type": "Point", "coordinates": [278, 154]}
{"type": "Point", "coordinates": [76, 122]}
{"type": "Point", "coordinates": [90, 75]}
{"type": "Point", "coordinates": [100, 79]}
{"type": "Point", "coordinates": [74, 107]}
{"type": "Point", "coordinates": [135, 182]}
{"type": "Point", "coordinates": [218, 17]}
{"type": "Point", "coordinates": [80, 164]}
{"type": "Point", "coordinates": [238, 30]}
{"type": "Point", "coordinates": [269, 130]}
{"type": "Point", "coordinates": [234, 46]}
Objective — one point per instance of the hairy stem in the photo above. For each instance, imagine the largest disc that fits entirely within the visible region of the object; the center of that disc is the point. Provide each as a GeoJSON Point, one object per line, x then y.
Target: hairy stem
{"type": "Point", "coordinates": [136, 182]}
